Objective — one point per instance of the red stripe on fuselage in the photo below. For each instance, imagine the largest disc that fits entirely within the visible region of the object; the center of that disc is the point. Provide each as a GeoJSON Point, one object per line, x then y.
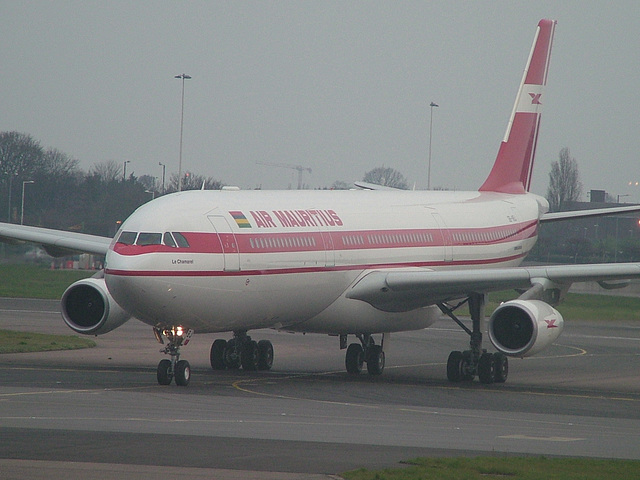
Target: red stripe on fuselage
{"type": "Point", "coordinates": [264, 242]}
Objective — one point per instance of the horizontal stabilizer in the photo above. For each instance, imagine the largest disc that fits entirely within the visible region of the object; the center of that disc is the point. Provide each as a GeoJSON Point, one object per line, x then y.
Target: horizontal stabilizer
{"type": "Point", "coordinates": [593, 212]}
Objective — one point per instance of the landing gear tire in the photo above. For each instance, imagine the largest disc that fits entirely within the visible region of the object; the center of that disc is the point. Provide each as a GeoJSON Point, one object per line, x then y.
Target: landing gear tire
{"type": "Point", "coordinates": [466, 368]}
{"type": "Point", "coordinates": [183, 373]}
{"type": "Point", "coordinates": [216, 355]}
{"type": "Point", "coordinates": [354, 359]}
{"type": "Point", "coordinates": [265, 355]}
{"type": "Point", "coordinates": [454, 367]}
{"type": "Point", "coordinates": [250, 356]}
{"type": "Point", "coordinates": [231, 358]}
{"type": "Point", "coordinates": [375, 362]}
{"type": "Point", "coordinates": [486, 368]}
{"type": "Point", "coordinates": [164, 375]}
{"type": "Point", "coordinates": [501, 367]}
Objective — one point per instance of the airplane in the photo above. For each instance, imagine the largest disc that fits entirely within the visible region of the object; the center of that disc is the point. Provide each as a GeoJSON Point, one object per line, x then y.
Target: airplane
{"type": "Point", "coordinates": [361, 264]}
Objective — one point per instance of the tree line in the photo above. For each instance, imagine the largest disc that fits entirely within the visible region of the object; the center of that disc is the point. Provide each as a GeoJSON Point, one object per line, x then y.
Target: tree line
{"type": "Point", "coordinates": [59, 194]}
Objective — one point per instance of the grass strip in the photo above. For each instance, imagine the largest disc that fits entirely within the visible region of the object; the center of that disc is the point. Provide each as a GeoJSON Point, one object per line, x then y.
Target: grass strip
{"type": "Point", "coordinates": [516, 468]}
{"type": "Point", "coordinates": [23, 342]}
{"type": "Point", "coordinates": [33, 281]}
{"type": "Point", "coordinates": [583, 306]}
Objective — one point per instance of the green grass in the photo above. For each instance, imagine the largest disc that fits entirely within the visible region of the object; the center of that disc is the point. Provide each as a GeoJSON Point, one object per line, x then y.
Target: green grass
{"type": "Point", "coordinates": [516, 468]}
{"type": "Point", "coordinates": [580, 306]}
{"type": "Point", "coordinates": [33, 281]}
{"type": "Point", "coordinates": [23, 342]}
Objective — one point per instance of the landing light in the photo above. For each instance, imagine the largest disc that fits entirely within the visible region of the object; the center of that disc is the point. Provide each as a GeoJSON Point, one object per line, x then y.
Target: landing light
{"type": "Point", "coordinates": [178, 331]}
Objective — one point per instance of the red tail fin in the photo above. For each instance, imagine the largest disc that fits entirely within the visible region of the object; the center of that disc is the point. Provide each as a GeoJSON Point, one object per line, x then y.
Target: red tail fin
{"type": "Point", "coordinates": [511, 172]}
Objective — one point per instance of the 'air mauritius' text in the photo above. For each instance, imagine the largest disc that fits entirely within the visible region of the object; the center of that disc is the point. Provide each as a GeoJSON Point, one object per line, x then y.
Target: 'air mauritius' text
{"type": "Point", "coordinates": [296, 218]}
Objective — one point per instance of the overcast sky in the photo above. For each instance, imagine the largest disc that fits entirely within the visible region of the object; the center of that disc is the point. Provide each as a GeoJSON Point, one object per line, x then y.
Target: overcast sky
{"type": "Point", "coordinates": [339, 87]}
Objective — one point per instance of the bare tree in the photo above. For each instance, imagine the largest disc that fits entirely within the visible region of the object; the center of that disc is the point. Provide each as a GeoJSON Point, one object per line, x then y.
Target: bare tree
{"type": "Point", "coordinates": [192, 181]}
{"type": "Point", "coordinates": [340, 185]}
{"type": "Point", "coordinates": [149, 182]}
{"type": "Point", "coordinates": [107, 171]}
{"type": "Point", "coordinates": [387, 177]}
{"type": "Point", "coordinates": [58, 163]}
{"type": "Point", "coordinates": [20, 154]}
{"type": "Point", "coordinates": [564, 181]}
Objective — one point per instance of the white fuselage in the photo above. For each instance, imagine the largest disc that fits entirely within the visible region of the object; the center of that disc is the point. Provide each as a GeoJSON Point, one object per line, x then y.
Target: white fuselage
{"type": "Point", "coordinates": [285, 259]}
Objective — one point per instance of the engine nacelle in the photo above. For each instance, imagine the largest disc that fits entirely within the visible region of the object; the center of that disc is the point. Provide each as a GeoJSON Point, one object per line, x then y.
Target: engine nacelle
{"type": "Point", "coordinates": [521, 328]}
{"type": "Point", "coordinates": [89, 308]}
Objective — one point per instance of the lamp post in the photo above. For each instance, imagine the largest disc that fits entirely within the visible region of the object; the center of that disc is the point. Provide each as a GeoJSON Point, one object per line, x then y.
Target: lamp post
{"type": "Point", "coordinates": [431, 105]}
{"type": "Point", "coordinates": [163, 170]}
{"type": "Point", "coordinates": [124, 170]}
{"type": "Point", "coordinates": [22, 209]}
{"type": "Point", "coordinates": [184, 77]}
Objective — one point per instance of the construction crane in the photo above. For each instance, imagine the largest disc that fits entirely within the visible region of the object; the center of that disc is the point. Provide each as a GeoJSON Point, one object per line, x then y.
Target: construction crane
{"type": "Point", "coordinates": [299, 168]}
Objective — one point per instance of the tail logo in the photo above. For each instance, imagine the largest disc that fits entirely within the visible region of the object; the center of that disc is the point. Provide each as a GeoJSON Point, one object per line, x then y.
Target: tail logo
{"type": "Point", "coordinates": [535, 98]}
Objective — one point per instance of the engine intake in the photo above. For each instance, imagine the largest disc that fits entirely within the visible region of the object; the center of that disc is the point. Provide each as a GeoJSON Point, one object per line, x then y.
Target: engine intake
{"type": "Point", "coordinates": [89, 308]}
{"type": "Point", "coordinates": [522, 328]}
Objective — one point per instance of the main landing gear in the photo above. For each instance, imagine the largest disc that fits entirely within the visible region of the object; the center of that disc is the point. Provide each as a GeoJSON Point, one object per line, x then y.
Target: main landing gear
{"type": "Point", "coordinates": [174, 368]}
{"type": "Point", "coordinates": [241, 351]}
{"type": "Point", "coordinates": [465, 366]}
{"type": "Point", "coordinates": [364, 352]}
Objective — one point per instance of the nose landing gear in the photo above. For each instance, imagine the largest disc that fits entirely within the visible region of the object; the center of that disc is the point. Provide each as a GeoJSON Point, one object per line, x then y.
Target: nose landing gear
{"type": "Point", "coordinates": [174, 368]}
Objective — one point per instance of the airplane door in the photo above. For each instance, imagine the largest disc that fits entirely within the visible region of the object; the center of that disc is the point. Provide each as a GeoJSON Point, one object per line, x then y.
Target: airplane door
{"type": "Point", "coordinates": [329, 253]}
{"type": "Point", "coordinates": [446, 237]}
{"type": "Point", "coordinates": [228, 241]}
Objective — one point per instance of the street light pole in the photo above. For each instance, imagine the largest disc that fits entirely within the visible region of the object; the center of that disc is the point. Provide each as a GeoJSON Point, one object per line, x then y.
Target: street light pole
{"type": "Point", "coordinates": [22, 209]}
{"type": "Point", "coordinates": [432, 104]}
{"type": "Point", "coordinates": [124, 170]}
{"type": "Point", "coordinates": [184, 77]}
{"type": "Point", "coordinates": [163, 169]}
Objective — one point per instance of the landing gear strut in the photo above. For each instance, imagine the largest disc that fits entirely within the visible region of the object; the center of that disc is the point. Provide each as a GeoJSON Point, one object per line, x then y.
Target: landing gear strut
{"type": "Point", "coordinates": [241, 351]}
{"type": "Point", "coordinates": [365, 352]}
{"type": "Point", "coordinates": [465, 366]}
{"type": "Point", "coordinates": [174, 368]}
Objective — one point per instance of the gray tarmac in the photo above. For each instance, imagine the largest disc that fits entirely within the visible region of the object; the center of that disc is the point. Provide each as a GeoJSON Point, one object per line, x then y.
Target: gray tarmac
{"type": "Point", "coordinates": [99, 413]}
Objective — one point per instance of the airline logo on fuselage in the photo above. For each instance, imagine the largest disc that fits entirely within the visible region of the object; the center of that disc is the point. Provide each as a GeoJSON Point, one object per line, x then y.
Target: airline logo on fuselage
{"type": "Point", "coordinates": [287, 218]}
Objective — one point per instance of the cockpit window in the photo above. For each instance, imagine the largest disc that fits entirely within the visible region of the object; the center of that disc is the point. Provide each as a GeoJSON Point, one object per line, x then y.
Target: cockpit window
{"type": "Point", "coordinates": [168, 240]}
{"type": "Point", "coordinates": [149, 239]}
{"type": "Point", "coordinates": [180, 240]}
{"type": "Point", "coordinates": [128, 238]}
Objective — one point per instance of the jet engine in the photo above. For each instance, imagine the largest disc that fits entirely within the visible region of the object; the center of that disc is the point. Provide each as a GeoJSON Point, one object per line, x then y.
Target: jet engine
{"type": "Point", "coordinates": [521, 328]}
{"type": "Point", "coordinates": [89, 308]}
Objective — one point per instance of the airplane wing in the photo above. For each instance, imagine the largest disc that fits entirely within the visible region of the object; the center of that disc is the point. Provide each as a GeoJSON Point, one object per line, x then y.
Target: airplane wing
{"type": "Point", "coordinates": [397, 291]}
{"type": "Point", "coordinates": [56, 243]}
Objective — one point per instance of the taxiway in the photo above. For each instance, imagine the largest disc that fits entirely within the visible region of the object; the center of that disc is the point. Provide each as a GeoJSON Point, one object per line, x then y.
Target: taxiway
{"type": "Point", "coordinates": [306, 418]}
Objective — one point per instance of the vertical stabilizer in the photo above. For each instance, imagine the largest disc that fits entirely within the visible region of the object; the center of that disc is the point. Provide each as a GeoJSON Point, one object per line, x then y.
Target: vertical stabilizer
{"type": "Point", "coordinates": [511, 172]}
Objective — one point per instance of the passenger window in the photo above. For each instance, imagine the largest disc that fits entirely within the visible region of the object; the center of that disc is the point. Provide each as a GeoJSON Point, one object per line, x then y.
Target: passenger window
{"type": "Point", "coordinates": [128, 238]}
{"type": "Point", "coordinates": [149, 239]}
{"type": "Point", "coordinates": [168, 240]}
{"type": "Point", "coordinates": [180, 240]}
